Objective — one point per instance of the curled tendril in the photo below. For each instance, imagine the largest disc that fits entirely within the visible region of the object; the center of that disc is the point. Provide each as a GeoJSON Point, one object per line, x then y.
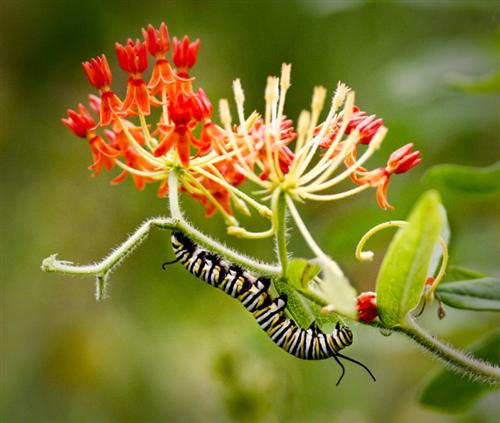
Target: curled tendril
{"type": "Point", "coordinates": [363, 255]}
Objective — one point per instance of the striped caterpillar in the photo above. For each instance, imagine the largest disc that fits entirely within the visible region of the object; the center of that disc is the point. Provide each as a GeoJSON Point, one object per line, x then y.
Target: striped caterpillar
{"type": "Point", "coordinates": [253, 293]}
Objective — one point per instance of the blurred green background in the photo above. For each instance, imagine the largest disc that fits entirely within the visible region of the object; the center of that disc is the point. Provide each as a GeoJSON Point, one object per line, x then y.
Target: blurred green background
{"type": "Point", "coordinates": [166, 347]}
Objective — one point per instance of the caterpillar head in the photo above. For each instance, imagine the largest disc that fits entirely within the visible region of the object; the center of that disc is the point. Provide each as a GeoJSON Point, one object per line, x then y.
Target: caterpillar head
{"type": "Point", "coordinates": [178, 238]}
{"type": "Point", "coordinates": [344, 333]}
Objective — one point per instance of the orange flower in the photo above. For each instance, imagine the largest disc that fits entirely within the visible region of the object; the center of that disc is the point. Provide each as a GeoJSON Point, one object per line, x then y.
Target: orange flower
{"type": "Point", "coordinates": [403, 159]}
{"type": "Point", "coordinates": [83, 125]}
{"type": "Point", "coordinates": [217, 159]}
{"type": "Point", "coordinates": [157, 40]}
{"type": "Point", "coordinates": [182, 111]}
{"type": "Point", "coordinates": [367, 126]}
{"type": "Point", "coordinates": [158, 43]}
{"type": "Point", "coordinates": [400, 161]}
{"type": "Point", "coordinates": [133, 59]}
{"type": "Point", "coordinates": [99, 75]}
{"type": "Point", "coordinates": [185, 55]}
{"type": "Point", "coordinates": [81, 122]}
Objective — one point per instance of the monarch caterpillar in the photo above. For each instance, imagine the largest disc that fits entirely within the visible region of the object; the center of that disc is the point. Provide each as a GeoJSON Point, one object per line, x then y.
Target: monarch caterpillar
{"type": "Point", "coordinates": [253, 293]}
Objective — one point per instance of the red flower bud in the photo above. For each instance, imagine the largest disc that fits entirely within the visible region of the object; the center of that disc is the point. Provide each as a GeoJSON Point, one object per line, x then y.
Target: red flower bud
{"type": "Point", "coordinates": [80, 123]}
{"type": "Point", "coordinates": [181, 109]}
{"type": "Point", "coordinates": [132, 57]}
{"type": "Point", "coordinates": [185, 54]}
{"type": "Point", "coordinates": [403, 159]}
{"type": "Point", "coordinates": [202, 108]}
{"type": "Point", "coordinates": [98, 72]}
{"type": "Point", "coordinates": [157, 40]}
{"type": "Point", "coordinates": [367, 306]}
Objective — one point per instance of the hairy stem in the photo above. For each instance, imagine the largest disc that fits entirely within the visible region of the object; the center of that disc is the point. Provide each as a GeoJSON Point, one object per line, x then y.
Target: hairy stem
{"type": "Point", "coordinates": [457, 360]}
{"type": "Point", "coordinates": [103, 268]}
{"type": "Point", "coordinates": [51, 264]}
{"type": "Point", "coordinates": [279, 223]}
{"type": "Point", "coordinates": [461, 362]}
{"type": "Point", "coordinates": [251, 264]}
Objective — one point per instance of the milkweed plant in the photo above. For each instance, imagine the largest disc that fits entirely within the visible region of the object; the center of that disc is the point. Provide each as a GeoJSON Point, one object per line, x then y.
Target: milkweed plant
{"type": "Point", "coordinates": [268, 166]}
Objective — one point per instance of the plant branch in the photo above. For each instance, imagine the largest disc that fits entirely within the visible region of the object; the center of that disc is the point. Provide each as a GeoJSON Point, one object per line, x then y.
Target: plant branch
{"type": "Point", "coordinates": [52, 264]}
{"type": "Point", "coordinates": [250, 263]}
{"type": "Point", "coordinates": [102, 269]}
{"type": "Point", "coordinates": [455, 359]}
{"type": "Point", "coordinates": [279, 223]}
{"type": "Point", "coordinates": [315, 248]}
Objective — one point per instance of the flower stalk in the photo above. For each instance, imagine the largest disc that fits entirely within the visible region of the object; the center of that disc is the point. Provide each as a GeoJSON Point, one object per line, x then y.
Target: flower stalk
{"type": "Point", "coordinates": [279, 224]}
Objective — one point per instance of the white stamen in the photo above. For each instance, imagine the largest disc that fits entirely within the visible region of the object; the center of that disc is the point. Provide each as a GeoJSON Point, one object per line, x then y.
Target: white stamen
{"type": "Point", "coordinates": [302, 125]}
{"type": "Point", "coordinates": [239, 97]}
{"type": "Point", "coordinates": [338, 196]}
{"type": "Point", "coordinates": [225, 114]}
{"type": "Point", "coordinates": [285, 76]}
{"type": "Point", "coordinates": [271, 96]}
{"type": "Point", "coordinates": [306, 154]}
{"type": "Point", "coordinates": [366, 256]}
{"type": "Point", "coordinates": [325, 162]}
{"type": "Point", "coordinates": [377, 141]}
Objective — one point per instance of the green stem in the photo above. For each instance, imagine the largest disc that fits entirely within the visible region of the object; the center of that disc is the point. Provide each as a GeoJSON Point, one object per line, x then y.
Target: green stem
{"type": "Point", "coordinates": [113, 260]}
{"type": "Point", "coordinates": [278, 205]}
{"type": "Point", "coordinates": [100, 269]}
{"type": "Point", "coordinates": [104, 267]}
{"type": "Point", "coordinates": [252, 264]}
{"type": "Point", "coordinates": [249, 263]}
{"type": "Point", "coordinates": [459, 361]}
{"type": "Point", "coordinates": [173, 196]}
{"type": "Point", "coordinates": [327, 261]}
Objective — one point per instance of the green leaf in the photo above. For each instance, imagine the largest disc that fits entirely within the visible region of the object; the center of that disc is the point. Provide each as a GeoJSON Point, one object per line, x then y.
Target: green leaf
{"type": "Point", "coordinates": [295, 270]}
{"type": "Point", "coordinates": [459, 273]}
{"type": "Point", "coordinates": [471, 180]}
{"type": "Point", "coordinates": [488, 84]}
{"type": "Point", "coordinates": [299, 307]}
{"type": "Point", "coordinates": [401, 279]}
{"type": "Point", "coordinates": [474, 294]}
{"type": "Point", "coordinates": [450, 392]}
{"type": "Point", "coordinates": [310, 272]}
{"type": "Point", "coordinates": [300, 272]}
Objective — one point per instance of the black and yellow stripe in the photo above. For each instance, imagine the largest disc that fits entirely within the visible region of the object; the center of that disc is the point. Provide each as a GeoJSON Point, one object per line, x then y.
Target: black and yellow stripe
{"type": "Point", "coordinates": [253, 293]}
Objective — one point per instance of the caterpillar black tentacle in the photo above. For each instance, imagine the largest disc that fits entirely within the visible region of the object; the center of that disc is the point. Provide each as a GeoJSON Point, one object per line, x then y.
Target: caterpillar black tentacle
{"type": "Point", "coordinates": [253, 293]}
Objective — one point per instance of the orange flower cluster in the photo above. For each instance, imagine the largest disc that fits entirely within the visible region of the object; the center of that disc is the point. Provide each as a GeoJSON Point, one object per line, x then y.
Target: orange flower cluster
{"type": "Point", "coordinates": [142, 149]}
{"type": "Point", "coordinates": [162, 124]}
